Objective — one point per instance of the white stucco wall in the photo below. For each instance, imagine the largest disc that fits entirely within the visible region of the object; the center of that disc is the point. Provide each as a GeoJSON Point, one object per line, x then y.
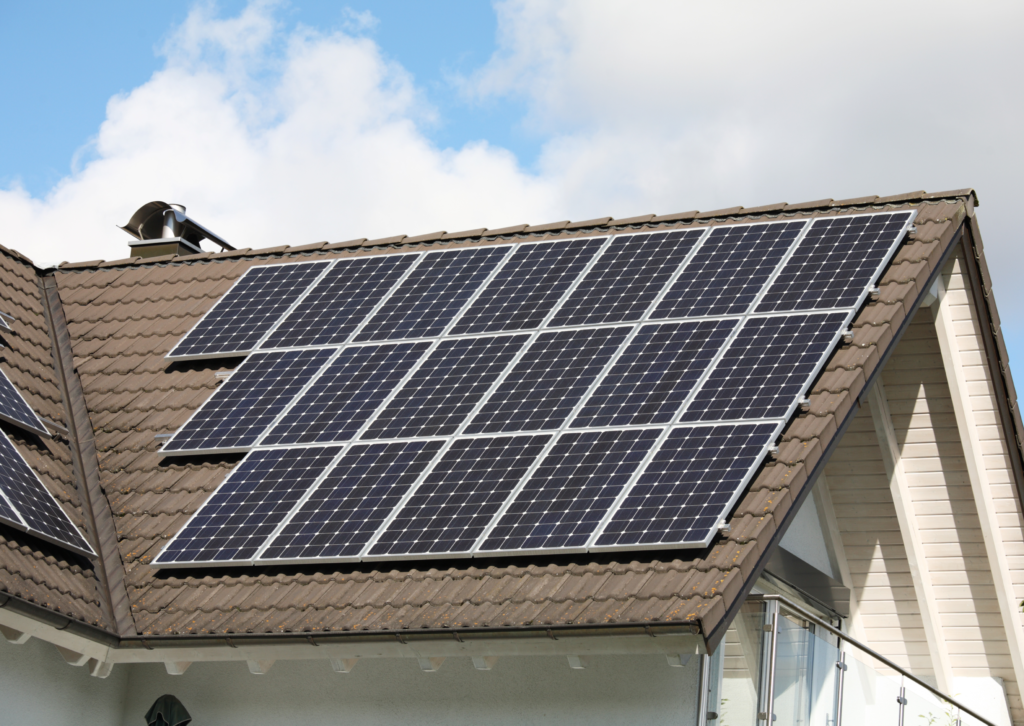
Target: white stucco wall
{"type": "Point", "coordinates": [38, 687]}
{"type": "Point", "coordinates": [517, 691]}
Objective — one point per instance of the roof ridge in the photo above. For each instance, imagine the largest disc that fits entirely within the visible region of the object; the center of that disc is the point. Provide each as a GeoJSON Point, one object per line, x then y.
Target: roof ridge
{"type": "Point", "coordinates": [525, 230]}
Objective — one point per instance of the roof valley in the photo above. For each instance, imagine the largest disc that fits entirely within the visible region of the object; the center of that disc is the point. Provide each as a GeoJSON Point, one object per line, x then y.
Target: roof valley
{"type": "Point", "coordinates": [85, 464]}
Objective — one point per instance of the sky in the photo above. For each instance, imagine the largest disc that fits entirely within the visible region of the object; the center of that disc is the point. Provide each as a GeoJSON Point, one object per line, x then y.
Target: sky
{"type": "Point", "coordinates": [295, 122]}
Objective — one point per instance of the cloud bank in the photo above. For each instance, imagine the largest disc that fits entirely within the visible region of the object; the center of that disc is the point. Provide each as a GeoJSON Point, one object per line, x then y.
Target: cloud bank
{"type": "Point", "coordinates": [275, 136]}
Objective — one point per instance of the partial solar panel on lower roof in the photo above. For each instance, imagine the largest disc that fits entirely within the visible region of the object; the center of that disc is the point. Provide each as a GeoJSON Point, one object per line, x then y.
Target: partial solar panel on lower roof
{"type": "Point", "coordinates": [352, 502]}
{"type": "Point", "coordinates": [452, 507]}
{"type": "Point", "coordinates": [729, 270]}
{"type": "Point", "coordinates": [566, 497]}
{"type": "Point", "coordinates": [835, 262]}
{"type": "Point", "coordinates": [531, 282]}
{"type": "Point", "coordinates": [14, 409]}
{"type": "Point", "coordinates": [345, 394]}
{"type": "Point", "coordinates": [39, 511]}
{"type": "Point", "coordinates": [245, 313]}
{"type": "Point", "coordinates": [543, 387]}
{"type": "Point", "coordinates": [627, 278]}
{"type": "Point", "coordinates": [655, 373]}
{"type": "Point", "coordinates": [686, 489]}
{"type": "Point", "coordinates": [433, 294]}
{"type": "Point", "coordinates": [766, 367]}
{"type": "Point", "coordinates": [244, 511]}
{"type": "Point", "coordinates": [331, 311]}
{"type": "Point", "coordinates": [241, 410]}
{"type": "Point", "coordinates": [443, 391]}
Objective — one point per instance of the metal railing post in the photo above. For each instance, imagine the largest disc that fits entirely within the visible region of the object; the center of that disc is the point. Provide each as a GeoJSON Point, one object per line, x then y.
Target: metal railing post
{"type": "Point", "coordinates": [768, 715]}
{"type": "Point", "coordinates": [705, 690]}
{"type": "Point", "coordinates": [841, 667]}
{"type": "Point", "coordinates": [902, 701]}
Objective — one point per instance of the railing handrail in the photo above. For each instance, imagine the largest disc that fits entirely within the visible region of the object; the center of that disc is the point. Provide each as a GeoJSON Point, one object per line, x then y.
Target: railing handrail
{"type": "Point", "coordinates": [790, 605]}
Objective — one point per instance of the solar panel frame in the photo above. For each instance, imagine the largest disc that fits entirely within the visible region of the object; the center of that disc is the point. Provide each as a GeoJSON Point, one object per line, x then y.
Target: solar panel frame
{"type": "Point", "coordinates": [13, 464]}
{"type": "Point", "coordinates": [11, 400]}
{"type": "Point", "coordinates": [215, 308]}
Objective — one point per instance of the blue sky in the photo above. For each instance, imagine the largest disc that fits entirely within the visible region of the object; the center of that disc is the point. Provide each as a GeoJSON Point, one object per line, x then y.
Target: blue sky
{"type": "Point", "coordinates": [292, 122]}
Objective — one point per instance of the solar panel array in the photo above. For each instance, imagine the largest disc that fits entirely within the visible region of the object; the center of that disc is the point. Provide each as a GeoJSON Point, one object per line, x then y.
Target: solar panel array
{"type": "Point", "coordinates": [15, 409]}
{"type": "Point", "coordinates": [560, 396]}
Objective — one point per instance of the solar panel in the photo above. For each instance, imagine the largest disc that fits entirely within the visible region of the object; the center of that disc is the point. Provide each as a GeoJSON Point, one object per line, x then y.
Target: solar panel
{"type": "Point", "coordinates": [546, 396]}
{"type": "Point", "coordinates": [443, 391]}
{"type": "Point", "coordinates": [14, 409]}
{"type": "Point", "coordinates": [689, 485]}
{"type": "Point", "coordinates": [352, 501]}
{"type": "Point", "coordinates": [253, 305]}
{"type": "Point", "coordinates": [345, 394]}
{"type": "Point", "coordinates": [336, 305]}
{"type": "Point", "coordinates": [627, 278]}
{"type": "Point", "coordinates": [545, 385]}
{"type": "Point", "coordinates": [244, 511]}
{"type": "Point", "coordinates": [657, 370]}
{"type": "Point", "coordinates": [240, 411]}
{"type": "Point", "coordinates": [834, 263]}
{"type": "Point", "coordinates": [33, 507]}
{"type": "Point", "coordinates": [449, 511]}
{"type": "Point", "coordinates": [532, 281]}
{"type": "Point", "coordinates": [767, 367]}
{"type": "Point", "coordinates": [3, 322]}
{"type": "Point", "coordinates": [572, 489]}
{"type": "Point", "coordinates": [729, 270]}
{"type": "Point", "coordinates": [433, 294]}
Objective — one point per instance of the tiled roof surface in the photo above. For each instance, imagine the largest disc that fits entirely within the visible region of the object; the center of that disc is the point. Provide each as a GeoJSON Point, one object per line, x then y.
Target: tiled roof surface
{"type": "Point", "coordinates": [124, 316]}
{"type": "Point", "coordinates": [28, 569]}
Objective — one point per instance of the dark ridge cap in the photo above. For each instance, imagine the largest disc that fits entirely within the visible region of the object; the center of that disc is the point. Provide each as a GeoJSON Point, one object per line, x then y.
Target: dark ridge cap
{"type": "Point", "coordinates": [550, 227]}
{"type": "Point", "coordinates": [73, 265]}
{"type": "Point", "coordinates": [385, 241]}
{"type": "Point", "coordinates": [641, 219]}
{"type": "Point", "coordinates": [514, 229]}
{"type": "Point", "coordinates": [680, 217]}
{"type": "Point", "coordinates": [17, 255]}
{"type": "Point", "coordinates": [280, 249]}
{"type": "Point", "coordinates": [598, 222]}
{"type": "Point", "coordinates": [777, 207]}
{"type": "Point", "coordinates": [817, 204]}
{"type": "Point", "coordinates": [230, 253]}
{"type": "Point", "coordinates": [120, 263]}
{"type": "Point", "coordinates": [423, 238]}
{"type": "Point", "coordinates": [965, 192]}
{"type": "Point", "coordinates": [345, 245]}
{"type": "Point", "coordinates": [466, 234]}
{"type": "Point", "coordinates": [855, 201]}
{"type": "Point", "coordinates": [727, 212]}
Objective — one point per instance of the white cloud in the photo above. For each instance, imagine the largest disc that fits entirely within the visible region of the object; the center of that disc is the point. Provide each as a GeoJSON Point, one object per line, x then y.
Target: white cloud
{"type": "Point", "coordinates": [278, 137]}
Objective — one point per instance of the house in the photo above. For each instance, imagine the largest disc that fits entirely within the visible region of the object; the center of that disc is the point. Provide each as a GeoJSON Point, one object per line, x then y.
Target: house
{"type": "Point", "coordinates": [872, 564]}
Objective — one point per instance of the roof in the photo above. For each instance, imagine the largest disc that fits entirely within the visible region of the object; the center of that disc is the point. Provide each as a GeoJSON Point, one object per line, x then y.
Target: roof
{"type": "Point", "coordinates": [122, 317]}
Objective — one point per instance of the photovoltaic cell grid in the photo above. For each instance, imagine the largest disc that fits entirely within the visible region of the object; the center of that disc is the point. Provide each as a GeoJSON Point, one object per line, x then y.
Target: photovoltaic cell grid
{"type": "Point", "coordinates": [29, 506]}
{"type": "Point", "coordinates": [254, 304]}
{"type": "Point", "coordinates": [14, 409]}
{"type": "Point", "coordinates": [248, 402]}
{"type": "Point", "coordinates": [554, 487]}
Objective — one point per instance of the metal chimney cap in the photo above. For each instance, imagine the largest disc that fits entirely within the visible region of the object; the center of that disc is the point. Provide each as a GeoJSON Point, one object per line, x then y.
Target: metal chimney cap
{"type": "Point", "coordinates": [147, 224]}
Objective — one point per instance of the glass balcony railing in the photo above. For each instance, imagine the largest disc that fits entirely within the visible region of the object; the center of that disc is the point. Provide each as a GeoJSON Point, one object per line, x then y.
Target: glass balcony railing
{"type": "Point", "coordinates": [780, 665]}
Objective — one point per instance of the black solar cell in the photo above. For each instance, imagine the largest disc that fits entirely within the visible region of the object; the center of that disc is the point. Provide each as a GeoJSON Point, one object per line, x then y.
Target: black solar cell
{"type": "Point", "coordinates": [240, 411]}
{"type": "Point", "coordinates": [571, 491]}
{"type": "Point", "coordinates": [239, 320]}
{"type": "Point", "coordinates": [765, 367]}
{"type": "Point", "coordinates": [545, 384]}
{"type": "Point", "coordinates": [451, 508]}
{"type": "Point", "coordinates": [336, 305]}
{"type": "Point", "coordinates": [15, 410]}
{"type": "Point", "coordinates": [729, 269]}
{"type": "Point", "coordinates": [427, 301]}
{"type": "Point", "coordinates": [39, 510]}
{"type": "Point", "coordinates": [531, 282]}
{"type": "Point", "coordinates": [684, 491]}
{"type": "Point", "coordinates": [834, 263]}
{"type": "Point", "coordinates": [446, 387]}
{"type": "Point", "coordinates": [353, 501]}
{"type": "Point", "coordinates": [245, 510]}
{"type": "Point", "coordinates": [654, 374]}
{"type": "Point", "coordinates": [345, 394]}
{"type": "Point", "coordinates": [626, 278]}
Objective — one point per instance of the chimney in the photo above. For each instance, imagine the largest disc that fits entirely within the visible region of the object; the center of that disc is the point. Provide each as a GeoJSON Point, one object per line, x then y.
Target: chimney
{"type": "Point", "coordinates": [165, 229]}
